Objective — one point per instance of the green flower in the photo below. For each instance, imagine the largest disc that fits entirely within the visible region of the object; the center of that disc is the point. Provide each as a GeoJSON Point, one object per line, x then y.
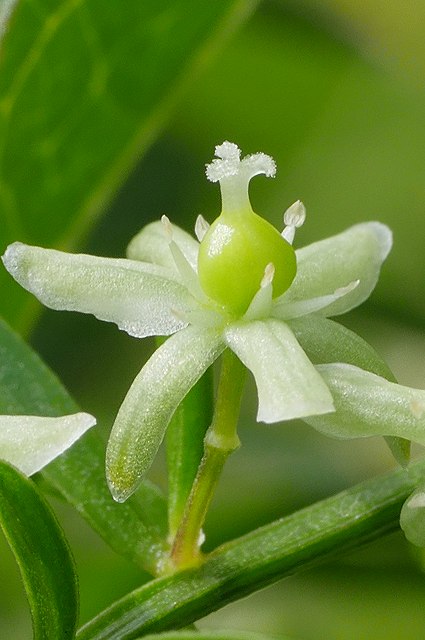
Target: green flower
{"type": "Point", "coordinates": [31, 442]}
{"type": "Point", "coordinates": [241, 287]}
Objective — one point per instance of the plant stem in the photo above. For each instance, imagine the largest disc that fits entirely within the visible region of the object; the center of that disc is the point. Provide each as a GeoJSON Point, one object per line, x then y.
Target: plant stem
{"type": "Point", "coordinates": [220, 441]}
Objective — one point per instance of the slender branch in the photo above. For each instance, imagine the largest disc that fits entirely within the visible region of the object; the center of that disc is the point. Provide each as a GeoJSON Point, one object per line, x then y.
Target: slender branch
{"type": "Point", "coordinates": [245, 565]}
{"type": "Point", "coordinates": [220, 441]}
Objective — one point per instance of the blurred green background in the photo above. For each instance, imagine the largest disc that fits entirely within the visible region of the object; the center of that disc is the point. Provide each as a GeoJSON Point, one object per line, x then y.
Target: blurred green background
{"type": "Point", "coordinates": [335, 92]}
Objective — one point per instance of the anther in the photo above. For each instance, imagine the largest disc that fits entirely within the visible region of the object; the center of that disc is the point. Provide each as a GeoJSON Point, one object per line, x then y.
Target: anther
{"type": "Point", "coordinates": [201, 227]}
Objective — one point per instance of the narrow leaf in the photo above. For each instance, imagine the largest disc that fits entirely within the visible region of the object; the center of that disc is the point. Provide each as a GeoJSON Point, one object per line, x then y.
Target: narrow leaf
{"type": "Point", "coordinates": [43, 555]}
{"type": "Point", "coordinates": [135, 530]}
{"type": "Point", "coordinates": [231, 634]}
{"type": "Point", "coordinates": [243, 566]}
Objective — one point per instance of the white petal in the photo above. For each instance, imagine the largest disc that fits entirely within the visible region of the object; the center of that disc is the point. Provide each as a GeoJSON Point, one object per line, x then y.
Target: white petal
{"type": "Point", "coordinates": [288, 384]}
{"type": "Point", "coordinates": [291, 310]}
{"type": "Point", "coordinates": [138, 297]}
{"type": "Point", "coordinates": [150, 403]}
{"type": "Point", "coordinates": [152, 245]}
{"type": "Point", "coordinates": [325, 266]}
{"type": "Point", "coordinates": [368, 405]}
{"type": "Point", "coordinates": [31, 442]}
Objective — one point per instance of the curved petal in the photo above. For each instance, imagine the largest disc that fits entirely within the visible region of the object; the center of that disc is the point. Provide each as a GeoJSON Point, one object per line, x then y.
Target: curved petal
{"type": "Point", "coordinates": [151, 401]}
{"type": "Point", "coordinates": [31, 442]}
{"type": "Point", "coordinates": [327, 265]}
{"type": "Point", "coordinates": [151, 244]}
{"type": "Point", "coordinates": [138, 297]}
{"type": "Point", "coordinates": [368, 405]}
{"type": "Point", "coordinates": [288, 384]}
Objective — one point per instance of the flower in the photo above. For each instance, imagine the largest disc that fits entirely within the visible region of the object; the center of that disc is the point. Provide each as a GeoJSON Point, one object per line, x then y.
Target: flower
{"type": "Point", "coordinates": [241, 287]}
{"type": "Point", "coordinates": [31, 442]}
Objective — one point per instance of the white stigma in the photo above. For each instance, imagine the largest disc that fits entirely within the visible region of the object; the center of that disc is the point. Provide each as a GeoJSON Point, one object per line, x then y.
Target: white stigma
{"type": "Point", "coordinates": [293, 218]}
{"type": "Point", "coordinates": [228, 163]}
{"type": "Point", "coordinates": [201, 227]}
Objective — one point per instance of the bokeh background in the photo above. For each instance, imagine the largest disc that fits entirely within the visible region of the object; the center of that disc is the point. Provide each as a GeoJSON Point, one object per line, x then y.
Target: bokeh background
{"type": "Point", "coordinates": [335, 92]}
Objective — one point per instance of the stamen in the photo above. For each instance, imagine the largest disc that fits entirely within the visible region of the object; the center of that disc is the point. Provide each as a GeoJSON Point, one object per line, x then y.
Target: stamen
{"type": "Point", "coordinates": [168, 228]}
{"type": "Point", "coordinates": [261, 303]}
{"type": "Point", "coordinates": [293, 218]}
{"type": "Point", "coordinates": [268, 276]}
{"type": "Point", "coordinates": [201, 227]}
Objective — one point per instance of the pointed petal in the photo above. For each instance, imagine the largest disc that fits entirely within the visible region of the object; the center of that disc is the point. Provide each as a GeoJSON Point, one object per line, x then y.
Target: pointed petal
{"type": "Point", "coordinates": [327, 341]}
{"type": "Point", "coordinates": [150, 403]}
{"type": "Point", "coordinates": [288, 384]}
{"type": "Point", "coordinates": [138, 297]}
{"type": "Point", "coordinates": [152, 245]}
{"type": "Point", "coordinates": [412, 517]}
{"type": "Point", "coordinates": [325, 266]}
{"type": "Point", "coordinates": [368, 405]}
{"type": "Point", "coordinates": [299, 308]}
{"type": "Point", "coordinates": [31, 442]}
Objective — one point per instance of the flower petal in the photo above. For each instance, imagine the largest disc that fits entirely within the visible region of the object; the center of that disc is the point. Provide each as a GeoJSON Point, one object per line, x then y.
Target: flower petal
{"type": "Point", "coordinates": [368, 405]}
{"type": "Point", "coordinates": [326, 341]}
{"type": "Point", "coordinates": [325, 266]}
{"type": "Point", "coordinates": [288, 384]}
{"type": "Point", "coordinates": [151, 244]}
{"type": "Point", "coordinates": [412, 517]}
{"type": "Point", "coordinates": [138, 297]}
{"type": "Point", "coordinates": [299, 308]}
{"type": "Point", "coordinates": [31, 442]}
{"type": "Point", "coordinates": [151, 401]}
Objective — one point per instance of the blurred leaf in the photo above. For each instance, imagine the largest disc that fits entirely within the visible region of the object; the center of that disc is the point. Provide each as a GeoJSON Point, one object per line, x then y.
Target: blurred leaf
{"type": "Point", "coordinates": [135, 530]}
{"type": "Point", "coordinates": [84, 88]}
{"type": "Point", "coordinates": [43, 555]}
{"type": "Point", "coordinates": [185, 445]}
{"type": "Point", "coordinates": [247, 564]}
{"type": "Point", "coordinates": [231, 634]}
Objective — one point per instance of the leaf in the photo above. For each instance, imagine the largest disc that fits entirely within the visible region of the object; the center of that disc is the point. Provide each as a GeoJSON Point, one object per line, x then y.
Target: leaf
{"type": "Point", "coordinates": [211, 635]}
{"type": "Point", "coordinates": [185, 445]}
{"type": "Point", "coordinates": [245, 565]}
{"type": "Point", "coordinates": [43, 555]}
{"type": "Point", "coordinates": [135, 530]}
{"type": "Point", "coordinates": [84, 89]}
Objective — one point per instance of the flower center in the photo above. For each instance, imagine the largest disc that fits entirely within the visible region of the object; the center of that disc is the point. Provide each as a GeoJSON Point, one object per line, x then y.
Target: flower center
{"type": "Point", "coordinates": [239, 245]}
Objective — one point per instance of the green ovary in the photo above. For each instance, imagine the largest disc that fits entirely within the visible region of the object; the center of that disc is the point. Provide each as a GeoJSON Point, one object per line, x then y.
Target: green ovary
{"type": "Point", "coordinates": [234, 254]}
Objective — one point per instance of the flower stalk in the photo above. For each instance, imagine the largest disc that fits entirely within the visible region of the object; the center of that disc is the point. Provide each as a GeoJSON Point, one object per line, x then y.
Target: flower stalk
{"type": "Point", "coordinates": [220, 441]}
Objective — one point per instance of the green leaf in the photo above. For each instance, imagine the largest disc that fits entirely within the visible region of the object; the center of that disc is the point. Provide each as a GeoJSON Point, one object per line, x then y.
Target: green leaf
{"type": "Point", "coordinates": [43, 555]}
{"type": "Point", "coordinates": [185, 445]}
{"type": "Point", "coordinates": [84, 89]}
{"type": "Point", "coordinates": [211, 635]}
{"type": "Point", "coordinates": [136, 530]}
{"type": "Point", "coordinates": [251, 562]}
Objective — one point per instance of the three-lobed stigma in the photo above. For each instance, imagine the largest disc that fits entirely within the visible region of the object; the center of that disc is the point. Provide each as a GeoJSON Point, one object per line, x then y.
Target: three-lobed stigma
{"type": "Point", "coordinates": [238, 247]}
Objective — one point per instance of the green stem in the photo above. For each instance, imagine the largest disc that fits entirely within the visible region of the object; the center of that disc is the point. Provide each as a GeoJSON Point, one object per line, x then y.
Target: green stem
{"type": "Point", "coordinates": [220, 441]}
